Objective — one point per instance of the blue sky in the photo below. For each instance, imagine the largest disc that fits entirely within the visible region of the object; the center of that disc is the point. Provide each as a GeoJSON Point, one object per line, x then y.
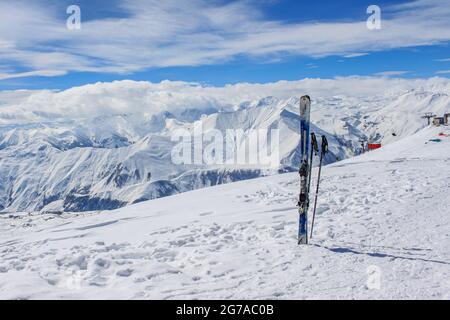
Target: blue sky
{"type": "Point", "coordinates": [219, 42]}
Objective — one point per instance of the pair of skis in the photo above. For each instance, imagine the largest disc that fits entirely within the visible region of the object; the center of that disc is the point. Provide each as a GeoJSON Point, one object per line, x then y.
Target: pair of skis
{"type": "Point", "coordinates": [307, 152]}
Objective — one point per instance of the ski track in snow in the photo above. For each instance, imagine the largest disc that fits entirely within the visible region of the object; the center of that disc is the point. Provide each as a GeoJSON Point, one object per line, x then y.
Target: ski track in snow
{"type": "Point", "coordinates": [386, 211]}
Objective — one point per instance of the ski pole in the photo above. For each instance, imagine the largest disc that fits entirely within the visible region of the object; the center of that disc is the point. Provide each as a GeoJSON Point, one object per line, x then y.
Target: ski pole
{"type": "Point", "coordinates": [315, 148]}
{"type": "Point", "coordinates": [323, 152]}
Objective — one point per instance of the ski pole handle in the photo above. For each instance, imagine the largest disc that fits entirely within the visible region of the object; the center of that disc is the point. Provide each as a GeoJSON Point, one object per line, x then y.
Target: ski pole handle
{"type": "Point", "coordinates": [324, 144]}
{"type": "Point", "coordinates": [314, 144]}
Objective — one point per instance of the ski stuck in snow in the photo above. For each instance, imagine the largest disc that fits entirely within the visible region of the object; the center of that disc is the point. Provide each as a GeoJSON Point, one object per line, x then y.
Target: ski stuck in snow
{"type": "Point", "coordinates": [303, 201]}
{"type": "Point", "coordinates": [306, 153]}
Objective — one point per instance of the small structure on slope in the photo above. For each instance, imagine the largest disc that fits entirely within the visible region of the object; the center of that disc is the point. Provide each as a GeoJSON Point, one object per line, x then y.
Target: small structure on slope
{"type": "Point", "coordinates": [363, 142]}
{"type": "Point", "coordinates": [373, 146]}
{"type": "Point", "coordinates": [446, 116]}
{"type": "Point", "coordinates": [439, 121]}
{"type": "Point", "coordinates": [428, 116]}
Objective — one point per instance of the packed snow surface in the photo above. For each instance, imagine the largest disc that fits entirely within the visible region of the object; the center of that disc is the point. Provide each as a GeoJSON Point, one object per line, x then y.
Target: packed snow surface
{"type": "Point", "coordinates": [382, 231]}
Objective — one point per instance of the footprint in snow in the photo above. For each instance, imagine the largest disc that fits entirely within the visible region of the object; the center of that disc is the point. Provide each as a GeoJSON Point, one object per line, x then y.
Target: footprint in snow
{"type": "Point", "coordinates": [125, 272]}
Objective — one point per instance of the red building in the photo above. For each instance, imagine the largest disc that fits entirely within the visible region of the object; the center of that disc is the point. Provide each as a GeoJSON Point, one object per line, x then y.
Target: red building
{"type": "Point", "coordinates": [373, 146]}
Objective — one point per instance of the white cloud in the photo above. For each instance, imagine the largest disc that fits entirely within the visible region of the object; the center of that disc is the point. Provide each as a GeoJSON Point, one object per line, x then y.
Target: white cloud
{"type": "Point", "coordinates": [312, 66]}
{"type": "Point", "coordinates": [157, 33]}
{"type": "Point", "coordinates": [147, 98]}
{"type": "Point", "coordinates": [443, 60]}
{"type": "Point", "coordinates": [391, 73]}
{"type": "Point", "coordinates": [355, 55]}
{"type": "Point", "coordinates": [443, 72]}
{"type": "Point", "coordinates": [38, 73]}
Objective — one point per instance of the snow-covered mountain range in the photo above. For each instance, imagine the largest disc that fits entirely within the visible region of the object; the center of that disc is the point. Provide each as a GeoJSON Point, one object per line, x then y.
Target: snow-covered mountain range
{"type": "Point", "coordinates": [61, 160]}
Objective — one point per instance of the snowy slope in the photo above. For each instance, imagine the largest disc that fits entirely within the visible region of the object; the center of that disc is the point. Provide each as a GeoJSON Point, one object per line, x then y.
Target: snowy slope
{"type": "Point", "coordinates": [64, 160]}
{"type": "Point", "coordinates": [383, 214]}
